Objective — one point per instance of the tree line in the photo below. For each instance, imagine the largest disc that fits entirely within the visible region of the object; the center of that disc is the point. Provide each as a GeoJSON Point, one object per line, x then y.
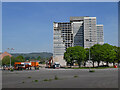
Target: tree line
{"type": "Point", "coordinates": [105, 53]}
{"type": "Point", "coordinates": [20, 58]}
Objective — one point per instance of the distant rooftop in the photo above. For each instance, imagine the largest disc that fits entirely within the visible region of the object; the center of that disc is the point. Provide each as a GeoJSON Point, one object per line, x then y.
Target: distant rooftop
{"type": "Point", "coordinates": [79, 18]}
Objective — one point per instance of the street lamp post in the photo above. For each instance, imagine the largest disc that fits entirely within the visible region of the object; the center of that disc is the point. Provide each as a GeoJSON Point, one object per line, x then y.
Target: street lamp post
{"type": "Point", "coordinates": [89, 50]}
{"type": "Point", "coordinates": [89, 58]}
{"type": "Point", "coordinates": [10, 49]}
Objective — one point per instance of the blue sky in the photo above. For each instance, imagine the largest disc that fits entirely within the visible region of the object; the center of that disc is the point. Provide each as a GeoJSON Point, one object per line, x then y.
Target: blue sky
{"type": "Point", "coordinates": [28, 26]}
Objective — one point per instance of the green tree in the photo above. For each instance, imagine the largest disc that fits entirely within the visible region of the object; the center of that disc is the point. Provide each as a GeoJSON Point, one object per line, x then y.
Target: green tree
{"type": "Point", "coordinates": [79, 54]}
{"type": "Point", "coordinates": [117, 58]}
{"type": "Point", "coordinates": [27, 58]}
{"type": "Point", "coordinates": [87, 56]}
{"type": "Point", "coordinates": [96, 52]}
{"type": "Point", "coordinates": [33, 58]}
{"type": "Point", "coordinates": [75, 53]}
{"type": "Point", "coordinates": [68, 55]}
{"type": "Point", "coordinates": [13, 60]}
{"type": "Point", "coordinates": [6, 60]}
{"type": "Point", "coordinates": [118, 55]}
{"type": "Point", "coordinates": [0, 62]}
{"type": "Point", "coordinates": [108, 53]}
{"type": "Point", "coordinates": [38, 58]}
{"type": "Point", "coordinates": [20, 58]}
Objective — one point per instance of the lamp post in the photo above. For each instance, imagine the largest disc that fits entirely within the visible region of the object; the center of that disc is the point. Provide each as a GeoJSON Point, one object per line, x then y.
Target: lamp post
{"type": "Point", "coordinates": [89, 50]}
{"type": "Point", "coordinates": [10, 49]}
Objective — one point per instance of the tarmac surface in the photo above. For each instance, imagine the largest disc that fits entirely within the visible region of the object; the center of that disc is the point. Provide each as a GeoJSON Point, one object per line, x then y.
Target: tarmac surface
{"type": "Point", "coordinates": [65, 78]}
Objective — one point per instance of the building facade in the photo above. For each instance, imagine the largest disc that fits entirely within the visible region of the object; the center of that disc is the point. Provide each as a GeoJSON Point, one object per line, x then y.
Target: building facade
{"type": "Point", "coordinates": [80, 31]}
{"type": "Point", "coordinates": [100, 36]}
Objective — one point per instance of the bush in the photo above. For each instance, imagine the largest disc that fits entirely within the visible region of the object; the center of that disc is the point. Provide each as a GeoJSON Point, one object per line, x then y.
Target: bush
{"type": "Point", "coordinates": [36, 80]}
{"type": "Point", "coordinates": [92, 71]}
{"type": "Point", "coordinates": [50, 79]}
{"type": "Point", "coordinates": [23, 82]}
{"type": "Point", "coordinates": [45, 80]}
{"type": "Point", "coordinates": [75, 76]}
{"type": "Point", "coordinates": [11, 70]}
{"type": "Point", "coordinates": [29, 77]}
{"type": "Point", "coordinates": [56, 78]}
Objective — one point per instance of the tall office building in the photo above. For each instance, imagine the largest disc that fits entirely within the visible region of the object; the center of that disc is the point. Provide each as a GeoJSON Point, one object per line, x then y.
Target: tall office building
{"type": "Point", "coordinates": [80, 31]}
{"type": "Point", "coordinates": [100, 36]}
{"type": "Point", "coordinates": [63, 38]}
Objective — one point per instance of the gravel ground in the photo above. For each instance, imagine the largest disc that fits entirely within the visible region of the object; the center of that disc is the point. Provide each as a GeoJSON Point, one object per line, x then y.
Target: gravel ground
{"type": "Point", "coordinates": [66, 78]}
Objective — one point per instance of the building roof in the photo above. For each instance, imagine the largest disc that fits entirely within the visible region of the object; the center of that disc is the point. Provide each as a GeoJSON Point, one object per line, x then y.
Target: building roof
{"type": "Point", "coordinates": [5, 54]}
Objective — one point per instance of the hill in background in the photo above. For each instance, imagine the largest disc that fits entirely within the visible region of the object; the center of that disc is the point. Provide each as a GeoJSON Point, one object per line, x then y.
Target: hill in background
{"type": "Point", "coordinates": [35, 55]}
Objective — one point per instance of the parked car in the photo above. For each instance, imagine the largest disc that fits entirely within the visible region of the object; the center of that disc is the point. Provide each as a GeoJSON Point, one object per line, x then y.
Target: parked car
{"type": "Point", "coordinates": [103, 66]}
{"type": "Point", "coordinates": [5, 67]}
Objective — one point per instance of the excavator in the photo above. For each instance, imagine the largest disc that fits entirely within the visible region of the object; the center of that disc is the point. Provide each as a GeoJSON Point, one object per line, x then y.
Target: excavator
{"type": "Point", "coordinates": [51, 64]}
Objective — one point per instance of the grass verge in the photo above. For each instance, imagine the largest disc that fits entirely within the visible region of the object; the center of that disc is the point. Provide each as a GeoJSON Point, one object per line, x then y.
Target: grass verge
{"type": "Point", "coordinates": [88, 67]}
